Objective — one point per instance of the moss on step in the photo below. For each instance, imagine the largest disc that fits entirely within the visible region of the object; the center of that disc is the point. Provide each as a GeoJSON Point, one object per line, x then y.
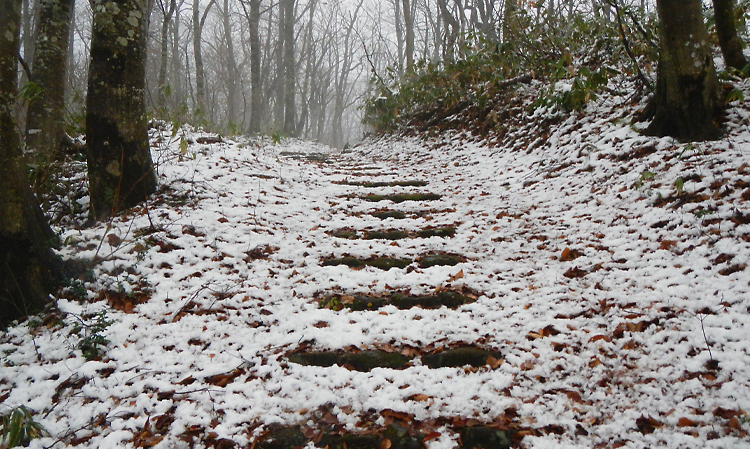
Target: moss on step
{"type": "Point", "coordinates": [393, 234]}
{"type": "Point", "coordinates": [359, 361]}
{"type": "Point", "coordinates": [282, 438]}
{"type": "Point", "coordinates": [458, 357]}
{"type": "Point", "coordinates": [444, 231]}
{"type": "Point", "coordinates": [449, 299]}
{"type": "Point", "coordinates": [485, 437]}
{"type": "Point", "coordinates": [439, 259]}
{"type": "Point", "coordinates": [395, 214]}
{"type": "Point", "coordinates": [345, 233]}
{"type": "Point", "coordinates": [401, 300]}
{"type": "Point", "coordinates": [388, 234]}
{"type": "Point", "coordinates": [397, 436]}
{"type": "Point", "coordinates": [374, 184]}
{"type": "Point", "coordinates": [402, 197]}
{"type": "Point", "coordinates": [383, 263]}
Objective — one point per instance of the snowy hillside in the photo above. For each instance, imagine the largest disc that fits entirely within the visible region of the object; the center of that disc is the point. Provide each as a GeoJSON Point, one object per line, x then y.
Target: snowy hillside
{"type": "Point", "coordinates": [576, 285]}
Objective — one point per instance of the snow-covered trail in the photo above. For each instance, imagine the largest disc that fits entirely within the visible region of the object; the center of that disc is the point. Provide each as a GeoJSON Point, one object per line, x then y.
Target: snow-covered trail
{"type": "Point", "coordinates": [611, 306]}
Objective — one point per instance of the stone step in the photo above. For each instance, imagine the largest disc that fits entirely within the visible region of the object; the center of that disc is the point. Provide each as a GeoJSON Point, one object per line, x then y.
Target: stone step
{"type": "Point", "coordinates": [393, 234]}
{"type": "Point", "coordinates": [386, 263]}
{"type": "Point", "coordinates": [403, 301]}
{"type": "Point", "coordinates": [374, 184]}
{"type": "Point", "coordinates": [394, 436]}
{"type": "Point", "coordinates": [370, 359]}
{"type": "Point", "coordinates": [401, 197]}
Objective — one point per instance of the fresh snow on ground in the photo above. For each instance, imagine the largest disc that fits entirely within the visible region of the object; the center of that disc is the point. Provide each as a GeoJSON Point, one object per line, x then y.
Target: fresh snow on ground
{"type": "Point", "coordinates": [611, 272]}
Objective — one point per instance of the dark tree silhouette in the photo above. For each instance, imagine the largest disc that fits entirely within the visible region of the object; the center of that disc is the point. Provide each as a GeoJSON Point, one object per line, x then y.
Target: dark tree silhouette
{"type": "Point", "coordinates": [726, 30]}
{"type": "Point", "coordinates": [28, 267]}
{"type": "Point", "coordinates": [687, 103]}
{"type": "Point", "coordinates": [120, 169]}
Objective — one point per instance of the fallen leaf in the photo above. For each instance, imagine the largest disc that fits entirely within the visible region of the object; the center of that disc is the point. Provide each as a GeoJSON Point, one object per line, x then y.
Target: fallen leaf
{"type": "Point", "coordinates": [456, 276]}
{"type": "Point", "coordinates": [686, 422]}
{"type": "Point", "coordinates": [647, 424]}
{"type": "Point", "coordinates": [493, 362]}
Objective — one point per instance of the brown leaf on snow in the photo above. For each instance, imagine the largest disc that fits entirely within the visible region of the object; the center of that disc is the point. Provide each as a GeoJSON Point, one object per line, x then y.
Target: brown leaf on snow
{"type": "Point", "coordinates": [222, 380]}
{"type": "Point", "coordinates": [686, 422]}
{"type": "Point", "coordinates": [114, 240]}
{"type": "Point", "coordinates": [728, 413]}
{"type": "Point", "coordinates": [569, 254]}
{"type": "Point", "coordinates": [574, 272]}
{"type": "Point", "coordinates": [647, 424]}
{"type": "Point", "coordinates": [456, 276]}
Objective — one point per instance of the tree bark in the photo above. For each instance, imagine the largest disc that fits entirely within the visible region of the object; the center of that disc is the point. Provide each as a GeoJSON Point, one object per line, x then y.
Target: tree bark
{"type": "Point", "coordinates": [28, 267]}
{"type": "Point", "coordinates": [256, 99]}
{"type": "Point", "coordinates": [120, 169]}
{"type": "Point", "coordinates": [45, 121]}
{"type": "Point", "coordinates": [200, 73]}
{"type": "Point", "coordinates": [726, 30]}
{"type": "Point", "coordinates": [686, 104]}
{"type": "Point", "coordinates": [167, 14]}
{"type": "Point", "coordinates": [233, 93]}
{"type": "Point", "coordinates": [409, 27]}
{"type": "Point", "coordinates": [290, 70]}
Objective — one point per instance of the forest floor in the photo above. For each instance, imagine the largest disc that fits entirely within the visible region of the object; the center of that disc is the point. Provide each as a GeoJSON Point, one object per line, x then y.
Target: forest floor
{"type": "Point", "coordinates": [572, 284]}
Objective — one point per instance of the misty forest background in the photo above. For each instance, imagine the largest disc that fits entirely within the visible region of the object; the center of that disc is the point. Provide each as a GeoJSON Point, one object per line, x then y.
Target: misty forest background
{"type": "Point", "coordinates": [315, 73]}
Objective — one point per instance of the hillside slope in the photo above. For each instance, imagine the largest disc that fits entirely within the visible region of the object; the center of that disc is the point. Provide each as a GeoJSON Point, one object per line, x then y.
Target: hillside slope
{"type": "Point", "coordinates": [569, 284]}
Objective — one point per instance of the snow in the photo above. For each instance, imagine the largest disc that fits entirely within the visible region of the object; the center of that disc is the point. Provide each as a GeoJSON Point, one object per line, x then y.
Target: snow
{"type": "Point", "coordinates": [656, 285]}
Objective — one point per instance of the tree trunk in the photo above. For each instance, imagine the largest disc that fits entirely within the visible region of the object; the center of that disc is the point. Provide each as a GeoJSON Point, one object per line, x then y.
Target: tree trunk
{"type": "Point", "coordinates": [451, 30]}
{"type": "Point", "coordinates": [279, 83]}
{"type": "Point", "coordinates": [726, 30]}
{"type": "Point", "coordinates": [120, 169]}
{"type": "Point", "coordinates": [200, 73]}
{"type": "Point", "coordinates": [290, 70]}
{"type": "Point", "coordinates": [28, 268]}
{"type": "Point", "coordinates": [256, 99]}
{"type": "Point", "coordinates": [233, 94]}
{"type": "Point", "coordinates": [409, 26]}
{"type": "Point", "coordinates": [163, 85]}
{"type": "Point", "coordinates": [686, 105]}
{"type": "Point", "coordinates": [45, 122]}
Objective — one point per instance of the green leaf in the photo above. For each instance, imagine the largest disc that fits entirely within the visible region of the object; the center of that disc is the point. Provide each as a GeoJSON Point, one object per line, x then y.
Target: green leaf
{"type": "Point", "coordinates": [183, 145]}
{"type": "Point", "coordinates": [735, 95]}
{"type": "Point", "coordinates": [679, 185]}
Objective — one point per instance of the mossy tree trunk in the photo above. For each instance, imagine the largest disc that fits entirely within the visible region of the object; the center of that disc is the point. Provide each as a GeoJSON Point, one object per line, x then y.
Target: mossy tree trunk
{"type": "Point", "coordinates": [28, 268]}
{"type": "Point", "coordinates": [687, 103]}
{"type": "Point", "coordinates": [725, 12]}
{"type": "Point", "coordinates": [120, 169]}
{"type": "Point", "coordinates": [45, 122]}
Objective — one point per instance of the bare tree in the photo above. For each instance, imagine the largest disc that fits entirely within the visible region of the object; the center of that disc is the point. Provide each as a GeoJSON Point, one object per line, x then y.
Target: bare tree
{"type": "Point", "coordinates": [289, 68]}
{"type": "Point", "coordinates": [199, 20]}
